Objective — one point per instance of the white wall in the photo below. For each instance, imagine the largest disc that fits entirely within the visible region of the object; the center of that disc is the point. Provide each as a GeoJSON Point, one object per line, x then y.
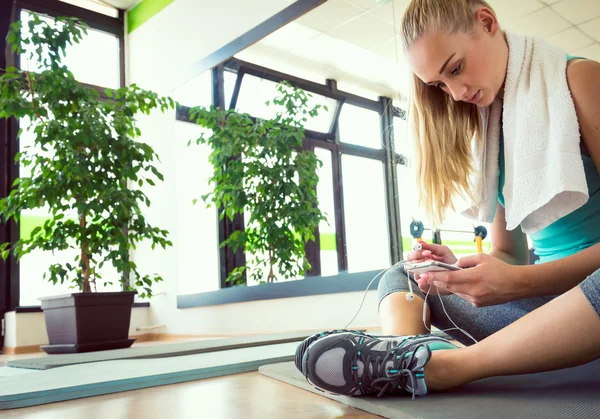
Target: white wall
{"type": "Point", "coordinates": [181, 35]}
{"type": "Point", "coordinates": [186, 31]}
{"type": "Point", "coordinates": [29, 329]}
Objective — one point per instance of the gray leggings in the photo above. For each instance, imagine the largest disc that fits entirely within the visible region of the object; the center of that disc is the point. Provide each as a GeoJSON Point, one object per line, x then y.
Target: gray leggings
{"type": "Point", "coordinates": [479, 322]}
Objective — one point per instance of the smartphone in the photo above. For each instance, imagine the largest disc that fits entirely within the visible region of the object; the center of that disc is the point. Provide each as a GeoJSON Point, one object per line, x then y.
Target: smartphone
{"type": "Point", "coordinates": [429, 266]}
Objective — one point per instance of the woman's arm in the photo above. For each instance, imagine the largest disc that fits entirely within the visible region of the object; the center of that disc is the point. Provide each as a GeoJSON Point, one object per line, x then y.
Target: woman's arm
{"type": "Point", "coordinates": [508, 246]}
{"type": "Point", "coordinates": [559, 276]}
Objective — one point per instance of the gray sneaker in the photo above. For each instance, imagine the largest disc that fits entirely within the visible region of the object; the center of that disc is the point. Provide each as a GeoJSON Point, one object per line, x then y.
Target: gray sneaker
{"type": "Point", "coordinates": [356, 364]}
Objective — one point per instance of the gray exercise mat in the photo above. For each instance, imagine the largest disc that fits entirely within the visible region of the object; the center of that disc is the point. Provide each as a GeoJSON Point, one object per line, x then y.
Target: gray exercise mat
{"type": "Point", "coordinates": [158, 351]}
{"type": "Point", "coordinates": [569, 393]}
{"type": "Point", "coordinates": [93, 379]}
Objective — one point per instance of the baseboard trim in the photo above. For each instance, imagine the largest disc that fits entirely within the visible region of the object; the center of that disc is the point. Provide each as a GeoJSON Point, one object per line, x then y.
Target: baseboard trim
{"type": "Point", "coordinates": [20, 350]}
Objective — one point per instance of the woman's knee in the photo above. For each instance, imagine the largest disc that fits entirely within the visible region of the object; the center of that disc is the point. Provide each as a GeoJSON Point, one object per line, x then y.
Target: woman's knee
{"type": "Point", "coordinates": [395, 280]}
{"type": "Point", "coordinates": [398, 315]}
{"type": "Point", "coordinates": [591, 289]}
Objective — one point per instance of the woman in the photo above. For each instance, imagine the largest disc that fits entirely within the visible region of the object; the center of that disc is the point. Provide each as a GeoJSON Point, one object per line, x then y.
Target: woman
{"type": "Point", "coordinates": [459, 57]}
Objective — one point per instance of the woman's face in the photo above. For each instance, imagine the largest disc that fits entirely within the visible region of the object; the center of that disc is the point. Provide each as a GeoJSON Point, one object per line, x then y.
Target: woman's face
{"type": "Point", "coordinates": [469, 67]}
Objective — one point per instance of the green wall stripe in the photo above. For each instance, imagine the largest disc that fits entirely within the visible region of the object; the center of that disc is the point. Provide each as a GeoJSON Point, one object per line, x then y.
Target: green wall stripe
{"type": "Point", "coordinates": [143, 11]}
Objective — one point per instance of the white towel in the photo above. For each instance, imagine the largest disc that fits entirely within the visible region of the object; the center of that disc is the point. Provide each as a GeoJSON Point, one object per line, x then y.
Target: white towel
{"type": "Point", "coordinates": [544, 173]}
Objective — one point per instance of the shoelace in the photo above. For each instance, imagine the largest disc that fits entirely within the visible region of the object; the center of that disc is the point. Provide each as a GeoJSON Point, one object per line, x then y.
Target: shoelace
{"type": "Point", "coordinates": [397, 380]}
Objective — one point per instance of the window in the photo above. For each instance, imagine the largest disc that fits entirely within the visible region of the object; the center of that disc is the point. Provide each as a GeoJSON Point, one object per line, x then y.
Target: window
{"type": "Point", "coordinates": [229, 79]}
{"type": "Point", "coordinates": [367, 240]}
{"type": "Point", "coordinates": [402, 138]}
{"type": "Point", "coordinates": [95, 60]}
{"type": "Point", "coordinates": [255, 92]}
{"type": "Point", "coordinates": [95, 6]}
{"type": "Point", "coordinates": [360, 126]}
{"type": "Point", "coordinates": [352, 181]}
{"type": "Point", "coordinates": [327, 234]}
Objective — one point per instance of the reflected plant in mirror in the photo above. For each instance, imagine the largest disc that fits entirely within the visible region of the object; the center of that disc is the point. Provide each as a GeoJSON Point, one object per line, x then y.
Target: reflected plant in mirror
{"type": "Point", "coordinates": [263, 171]}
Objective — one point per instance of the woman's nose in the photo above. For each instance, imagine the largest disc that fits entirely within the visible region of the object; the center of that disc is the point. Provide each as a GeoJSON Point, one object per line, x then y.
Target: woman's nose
{"type": "Point", "coordinates": [457, 91]}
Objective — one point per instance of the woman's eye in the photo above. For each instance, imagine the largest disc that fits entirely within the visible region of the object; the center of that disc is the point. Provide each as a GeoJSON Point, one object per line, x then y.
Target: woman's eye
{"type": "Point", "coordinates": [440, 85]}
{"type": "Point", "coordinates": [456, 70]}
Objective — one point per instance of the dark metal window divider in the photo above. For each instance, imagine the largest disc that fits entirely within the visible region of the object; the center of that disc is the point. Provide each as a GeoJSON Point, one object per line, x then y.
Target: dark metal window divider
{"type": "Point", "coordinates": [391, 181]}
{"type": "Point", "coordinates": [338, 191]}
{"type": "Point", "coordinates": [236, 90]}
{"type": "Point", "coordinates": [310, 86]}
{"type": "Point", "coordinates": [313, 248]}
{"type": "Point", "coordinates": [228, 259]}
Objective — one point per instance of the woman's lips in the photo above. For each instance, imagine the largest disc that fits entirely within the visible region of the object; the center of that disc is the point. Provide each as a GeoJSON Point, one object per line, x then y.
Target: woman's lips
{"type": "Point", "coordinates": [475, 98]}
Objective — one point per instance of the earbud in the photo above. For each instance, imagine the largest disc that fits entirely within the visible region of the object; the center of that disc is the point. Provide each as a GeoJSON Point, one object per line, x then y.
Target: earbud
{"type": "Point", "coordinates": [417, 247]}
{"type": "Point", "coordinates": [410, 296]}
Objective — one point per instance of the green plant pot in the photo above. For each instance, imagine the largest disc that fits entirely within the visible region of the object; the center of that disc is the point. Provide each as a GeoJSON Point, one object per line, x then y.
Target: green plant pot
{"type": "Point", "coordinates": [86, 322]}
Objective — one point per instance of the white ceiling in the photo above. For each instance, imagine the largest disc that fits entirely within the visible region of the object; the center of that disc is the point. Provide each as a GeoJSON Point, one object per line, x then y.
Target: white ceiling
{"type": "Point", "coordinates": [354, 40]}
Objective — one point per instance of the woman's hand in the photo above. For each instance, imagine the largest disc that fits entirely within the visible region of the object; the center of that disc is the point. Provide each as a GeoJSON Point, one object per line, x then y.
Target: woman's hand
{"type": "Point", "coordinates": [432, 252]}
{"type": "Point", "coordinates": [435, 252]}
{"type": "Point", "coordinates": [484, 281]}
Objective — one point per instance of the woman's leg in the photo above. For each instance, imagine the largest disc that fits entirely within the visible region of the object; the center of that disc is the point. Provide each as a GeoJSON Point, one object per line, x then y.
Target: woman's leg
{"type": "Point", "coordinates": [563, 333]}
{"type": "Point", "coordinates": [400, 317]}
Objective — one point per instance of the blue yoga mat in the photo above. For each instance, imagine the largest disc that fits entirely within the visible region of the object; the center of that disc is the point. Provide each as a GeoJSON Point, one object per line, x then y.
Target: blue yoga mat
{"type": "Point", "coordinates": [562, 394]}
{"type": "Point", "coordinates": [93, 379]}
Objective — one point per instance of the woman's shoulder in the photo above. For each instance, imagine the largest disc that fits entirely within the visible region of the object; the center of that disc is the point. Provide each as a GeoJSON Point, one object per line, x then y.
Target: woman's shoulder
{"type": "Point", "coordinates": [583, 74]}
{"type": "Point", "coordinates": [583, 78]}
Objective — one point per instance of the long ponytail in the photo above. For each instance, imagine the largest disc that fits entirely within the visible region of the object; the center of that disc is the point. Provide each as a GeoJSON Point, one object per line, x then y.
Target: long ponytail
{"type": "Point", "coordinates": [443, 128]}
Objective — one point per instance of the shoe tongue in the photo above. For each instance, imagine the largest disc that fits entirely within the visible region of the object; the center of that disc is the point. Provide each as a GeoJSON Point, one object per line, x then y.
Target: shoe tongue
{"type": "Point", "coordinates": [361, 368]}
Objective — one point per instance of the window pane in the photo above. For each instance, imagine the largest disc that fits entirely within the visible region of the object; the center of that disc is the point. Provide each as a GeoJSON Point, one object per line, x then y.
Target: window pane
{"type": "Point", "coordinates": [360, 126]}
{"type": "Point", "coordinates": [322, 122]}
{"type": "Point", "coordinates": [255, 92]}
{"type": "Point", "coordinates": [402, 141]}
{"type": "Point", "coordinates": [229, 79]}
{"type": "Point", "coordinates": [95, 60]}
{"type": "Point", "coordinates": [367, 241]}
{"type": "Point", "coordinates": [95, 6]}
{"type": "Point", "coordinates": [197, 226]}
{"type": "Point", "coordinates": [329, 261]}
{"type": "Point", "coordinates": [33, 265]}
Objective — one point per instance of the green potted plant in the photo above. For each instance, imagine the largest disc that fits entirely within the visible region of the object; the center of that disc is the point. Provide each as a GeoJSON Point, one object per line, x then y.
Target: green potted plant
{"type": "Point", "coordinates": [87, 161]}
{"type": "Point", "coordinates": [262, 170]}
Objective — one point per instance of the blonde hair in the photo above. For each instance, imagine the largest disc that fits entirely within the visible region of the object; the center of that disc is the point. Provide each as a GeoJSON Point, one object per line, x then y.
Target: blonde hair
{"type": "Point", "coordinates": [443, 128]}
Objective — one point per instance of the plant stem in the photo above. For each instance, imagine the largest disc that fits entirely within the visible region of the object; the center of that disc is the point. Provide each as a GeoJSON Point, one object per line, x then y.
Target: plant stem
{"type": "Point", "coordinates": [32, 96]}
{"type": "Point", "coordinates": [85, 260]}
{"type": "Point", "coordinates": [271, 274]}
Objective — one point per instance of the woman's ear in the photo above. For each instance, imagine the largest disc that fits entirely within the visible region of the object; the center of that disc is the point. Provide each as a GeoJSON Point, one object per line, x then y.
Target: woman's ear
{"type": "Point", "coordinates": [488, 20]}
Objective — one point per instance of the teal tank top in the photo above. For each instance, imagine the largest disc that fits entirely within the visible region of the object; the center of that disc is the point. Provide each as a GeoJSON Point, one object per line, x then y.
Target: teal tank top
{"type": "Point", "coordinates": [575, 231]}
